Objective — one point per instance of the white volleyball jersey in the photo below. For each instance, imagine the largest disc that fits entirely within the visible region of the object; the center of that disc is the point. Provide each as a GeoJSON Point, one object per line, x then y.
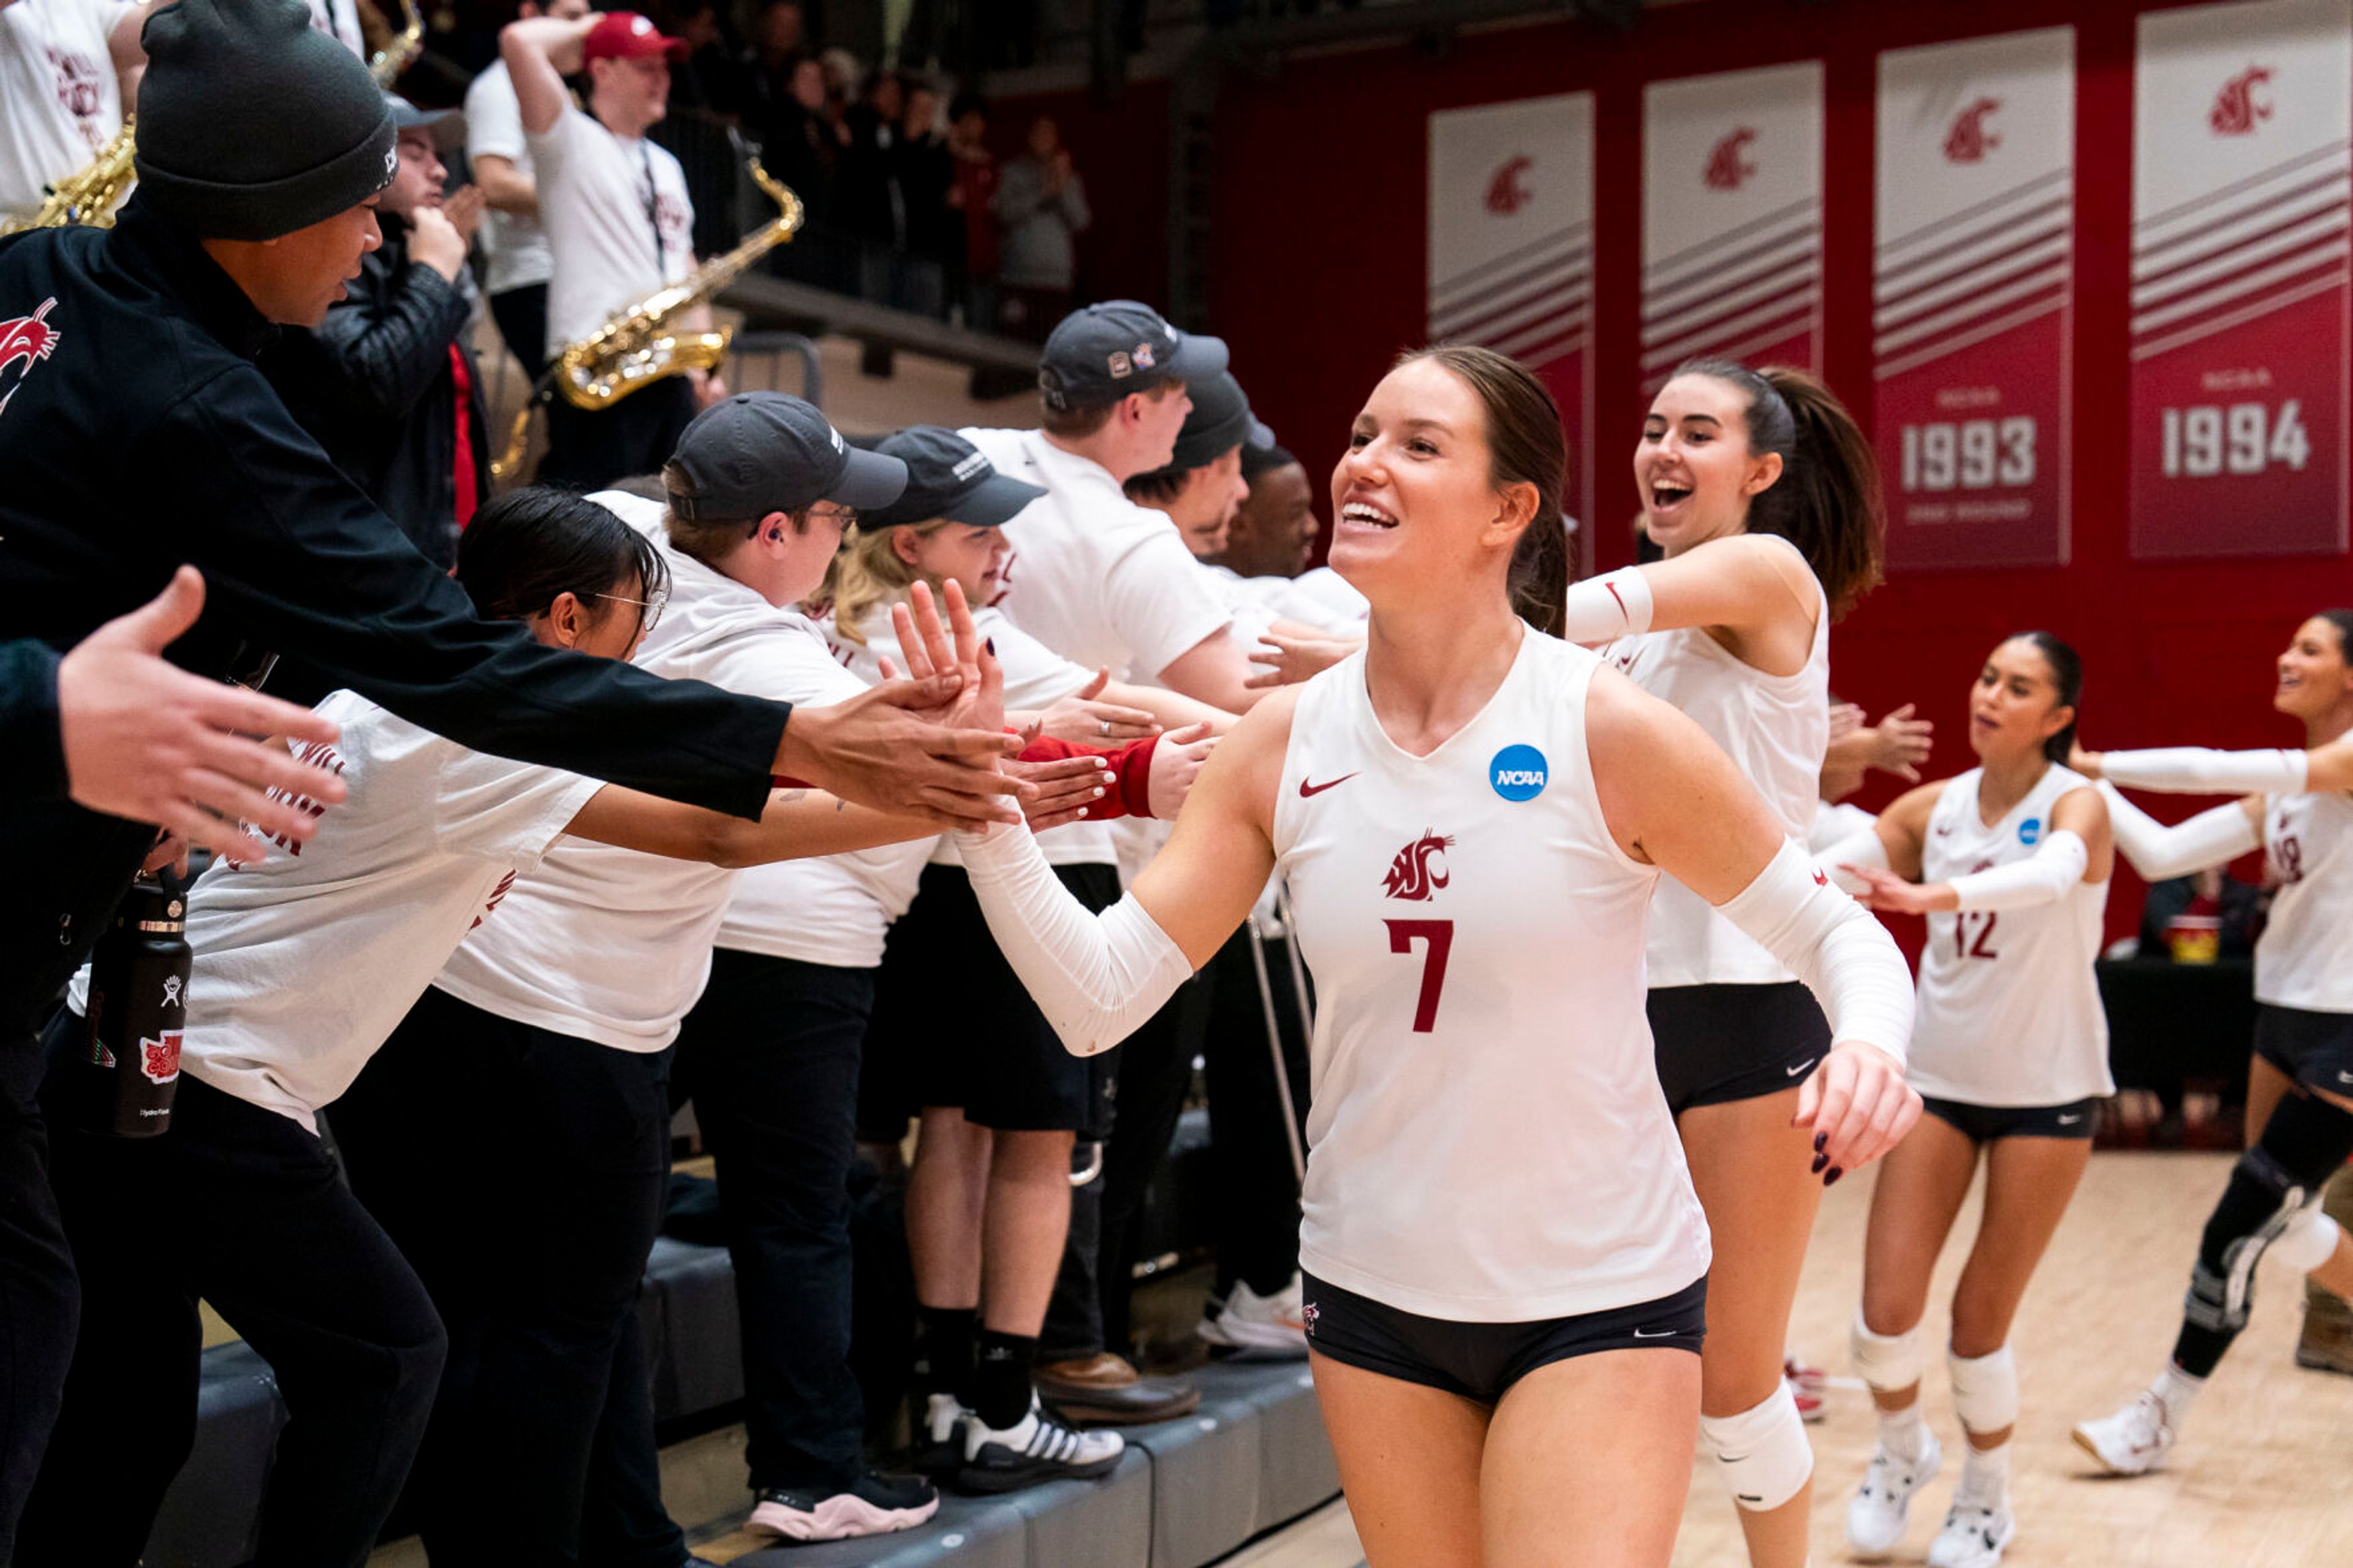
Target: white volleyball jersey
{"type": "Point", "coordinates": [2009, 1013]}
{"type": "Point", "coordinates": [1490, 1143]}
{"type": "Point", "coordinates": [2305, 957]}
{"type": "Point", "coordinates": [1776, 728]}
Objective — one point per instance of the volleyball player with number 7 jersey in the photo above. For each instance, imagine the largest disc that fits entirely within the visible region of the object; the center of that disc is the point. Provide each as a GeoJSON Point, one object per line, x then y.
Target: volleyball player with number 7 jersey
{"type": "Point", "coordinates": [1506, 1264]}
{"type": "Point", "coordinates": [2299, 810]}
{"type": "Point", "coordinates": [2009, 862]}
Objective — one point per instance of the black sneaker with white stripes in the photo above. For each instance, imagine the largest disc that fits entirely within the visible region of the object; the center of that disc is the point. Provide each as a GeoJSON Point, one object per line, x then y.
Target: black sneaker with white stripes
{"type": "Point", "coordinates": [1035, 1449]}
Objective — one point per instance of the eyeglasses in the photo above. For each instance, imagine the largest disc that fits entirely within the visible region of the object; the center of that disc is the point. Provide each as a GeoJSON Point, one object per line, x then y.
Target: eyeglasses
{"type": "Point", "coordinates": [649, 611]}
{"type": "Point", "coordinates": [829, 512]}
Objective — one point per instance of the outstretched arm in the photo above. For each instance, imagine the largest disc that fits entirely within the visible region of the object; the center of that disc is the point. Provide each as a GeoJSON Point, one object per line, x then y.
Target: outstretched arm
{"type": "Point", "coordinates": [2214, 837]}
{"type": "Point", "coordinates": [2195, 769]}
{"type": "Point", "coordinates": [1097, 977]}
{"type": "Point", "coordinates": [2077, 849]}
{"type": "Point", "coordinates": [1754, 587]}
{"type": "Point", "coordinates": [1672, 798]}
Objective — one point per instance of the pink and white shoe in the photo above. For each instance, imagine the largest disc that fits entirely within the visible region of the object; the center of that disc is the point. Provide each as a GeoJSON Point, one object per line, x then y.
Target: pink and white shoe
{"type": "Point", "coordinates": [875, 1505]}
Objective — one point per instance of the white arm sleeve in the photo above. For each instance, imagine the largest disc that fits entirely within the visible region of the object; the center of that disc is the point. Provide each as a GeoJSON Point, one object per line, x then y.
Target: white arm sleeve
{"type": "Point", "coordinates": [1846, 957]}
{"type": "Point", "coordinates": [1096, 977]}
{"type": "Point", "coordinates": [2212, 838]}
{"type": "Point", "coordinates": [2043, 877]}
{"type": "Point", "coordinates": [1858, 848]}
{"type": "Point", "coordinates": [1614, 605]}
{"type": "Point", "coordinates": [2193, 770]}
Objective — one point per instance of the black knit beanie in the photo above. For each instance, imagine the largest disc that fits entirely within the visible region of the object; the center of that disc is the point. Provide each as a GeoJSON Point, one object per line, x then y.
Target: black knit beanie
{"type": "Point", "coordinates": [252, 124]}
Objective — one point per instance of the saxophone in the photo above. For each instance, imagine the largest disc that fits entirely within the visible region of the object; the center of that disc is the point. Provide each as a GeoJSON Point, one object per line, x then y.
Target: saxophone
{"type": "Point", "coordinates": [90, 196]}
{"type": "Point", "coordinates": [636, 348]}
{"type": "Point", "coordinates": [87, 197]}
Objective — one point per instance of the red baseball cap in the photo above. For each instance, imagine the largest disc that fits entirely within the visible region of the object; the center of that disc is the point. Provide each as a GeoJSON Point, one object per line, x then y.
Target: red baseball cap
{"type": "Point", "coordinates": [626, 35]}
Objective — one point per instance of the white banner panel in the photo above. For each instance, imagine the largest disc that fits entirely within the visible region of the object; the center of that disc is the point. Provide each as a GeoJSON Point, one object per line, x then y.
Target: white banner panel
{"type": "Point", "coordinates": [1972, 298]}
{"type": "Point", "coordinates": [1511, 247]}
{"type": "Point", "coordinates": [2243, 192]}
{"type": "Point", "coordinates": [1732, 217]}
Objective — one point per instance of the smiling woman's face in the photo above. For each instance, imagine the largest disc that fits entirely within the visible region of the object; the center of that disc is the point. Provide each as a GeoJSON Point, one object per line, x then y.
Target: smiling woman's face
{"type": "Point", "coordinates": [1693, 467]}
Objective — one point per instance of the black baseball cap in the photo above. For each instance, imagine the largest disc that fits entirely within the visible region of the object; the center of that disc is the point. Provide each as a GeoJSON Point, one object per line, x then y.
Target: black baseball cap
{"type": "Point", "coordinates": [448, 125]}
{"type": "Point", "coordinates": [1100, 354]}
{"type": "Point", "coordinates": [948, 477]}
{"type": "Point", "coordinates": [758, 452]}
{"type": "Point", "coordinates": [1221, 421]}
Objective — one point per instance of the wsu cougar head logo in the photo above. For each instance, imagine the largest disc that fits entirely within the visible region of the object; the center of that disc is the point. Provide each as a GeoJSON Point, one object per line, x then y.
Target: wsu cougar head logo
{"type": "Point", "coordinates": [28, 338]}
{"type": "Point", "coordinates": [1506, 193]}
{"type": "Point", "coordinates": [2239, 106]}
{"type": "Point", "coordinates": [1728, 165]}
{"type": "Point", "coordinates": [1968, 141]}
{"type": "Point", "coordinates": [1412, 875]}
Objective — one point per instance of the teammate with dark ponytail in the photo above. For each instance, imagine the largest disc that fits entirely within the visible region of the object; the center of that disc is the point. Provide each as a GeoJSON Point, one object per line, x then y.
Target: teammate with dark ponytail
{"type": "Point", "coordinates": [1763, 495]}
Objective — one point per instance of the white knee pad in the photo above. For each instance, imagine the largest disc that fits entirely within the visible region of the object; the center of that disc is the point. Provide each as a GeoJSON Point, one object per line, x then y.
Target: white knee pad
{"type": "Point", "coordinates": [1761, 1455]}
{"type": "Point", "coordinates": [1985, 1390]}
{"type": "Point", "coordinates": [2309, 1241]}
{"type": "Point", "coordinates": [1887, 1361]}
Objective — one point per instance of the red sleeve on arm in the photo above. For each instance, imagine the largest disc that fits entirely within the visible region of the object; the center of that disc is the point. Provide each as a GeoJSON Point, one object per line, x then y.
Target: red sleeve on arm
{"type": "Point", "coordinates": [1131, 772]}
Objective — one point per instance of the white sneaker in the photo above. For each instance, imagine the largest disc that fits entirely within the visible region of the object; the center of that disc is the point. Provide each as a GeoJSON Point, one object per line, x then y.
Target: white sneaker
{"type": "Point", "coordinates": [2132, 1441]}
{"type": "Point", "coordinates": [1260, 1328]}
{"type": "Point", "coordinates": [939, 1440]}
{"type": "Point", "coordinates": [1033, 1449]}
{"type": "Point", "coordinates": [1973, 1537]}
{"type": "Point", "coordinates": [1874, 1520]}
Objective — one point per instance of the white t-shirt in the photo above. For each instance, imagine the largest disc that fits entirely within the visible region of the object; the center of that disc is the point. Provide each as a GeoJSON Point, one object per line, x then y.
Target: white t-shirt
{"type": "Point", "coordinates": [1776, 730]}
{"type": "Point", "coordinates": [1489, 1141]}
{"type": "Point", "coordinates": [1832, 823]}
{"type": "Point", "coordinates": [1035, 676]}
{"type": "Point", "coordinates": [59, 99]}
{"type": "Point", "coordinates": [517, 246]}
{"type": "Point", "coordinates": [2304, 960]}
{"type": "Point", "coordinates": [1097, 578]}
{"type": "Point", "coordinates": [305, 961]}
{"type": "Point", "coordinates": [1327, 601]}
{"type": "Point", "coordinates": [612, 945]}
{"type": "Point", "coordinates": [618, 221]}
{"type": "Point", "coordinates": [2010, 1013]}
{"type": "Point", "coordinates": [340, 20]}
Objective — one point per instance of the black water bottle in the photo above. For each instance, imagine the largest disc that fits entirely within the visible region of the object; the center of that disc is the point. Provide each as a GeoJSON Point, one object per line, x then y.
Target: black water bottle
{"type": "Point", "coordinates": [137, 1014]}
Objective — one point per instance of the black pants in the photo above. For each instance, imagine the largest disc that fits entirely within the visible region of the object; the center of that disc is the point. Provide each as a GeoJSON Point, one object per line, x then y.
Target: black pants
{"type": "Point", "coordinates": [534, 1263]}
{"type": "Point", "coordinates": [588, 451]}
{"type": "Point", "coordinates": [1156, 1067]}
{"type": "Point", "coordinates": [242, 1207]}
{"type": "Point", "coordinates": [769, 1056]}
{"type": "Point", "coordinates": [39, 1299]}
{"type": "Point", "coordinates": [522, 316]}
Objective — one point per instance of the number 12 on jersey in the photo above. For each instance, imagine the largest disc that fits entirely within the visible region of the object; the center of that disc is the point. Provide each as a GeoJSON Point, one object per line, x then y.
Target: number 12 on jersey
{"type": "Point", "coordinates": [1440, 935]}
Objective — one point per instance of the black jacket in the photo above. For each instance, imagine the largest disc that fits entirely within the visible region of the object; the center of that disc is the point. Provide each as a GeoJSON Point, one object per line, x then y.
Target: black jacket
{"type": "Point", "coordinates": [136, 434]}
{"type": "Point", "coordinates": [374, 385]}
{"type": "Point", "coordinates": [32, 754]}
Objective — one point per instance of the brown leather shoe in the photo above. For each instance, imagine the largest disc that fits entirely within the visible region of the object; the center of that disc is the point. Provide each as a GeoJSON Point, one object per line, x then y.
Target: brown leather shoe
{"type": "Point", "coordinates": [1104, 1390]}
{"type": "Point", "coordinates": [2327, 1341]}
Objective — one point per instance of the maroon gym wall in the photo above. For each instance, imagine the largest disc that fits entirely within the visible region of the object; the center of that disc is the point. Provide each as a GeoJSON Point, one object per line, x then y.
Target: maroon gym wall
{"type": "Point", "coordinates": [1318, 279]}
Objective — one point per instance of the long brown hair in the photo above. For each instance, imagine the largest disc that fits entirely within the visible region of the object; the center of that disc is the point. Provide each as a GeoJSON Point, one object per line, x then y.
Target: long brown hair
{"type": "Point", "coordinates": [1827, 501]}
{"type": "Point", "coordinates": [1525, 446]}
{"type": "Point", "coordinates": [867, 573]}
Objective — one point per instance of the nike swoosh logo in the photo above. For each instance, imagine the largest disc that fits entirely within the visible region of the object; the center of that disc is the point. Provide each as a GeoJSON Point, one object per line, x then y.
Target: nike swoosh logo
{"type": "Point", "coordinates": [2070, 1120]}
{"type": "Point", "coordinates": [1821, 878]}
{"type": "Point", "coordinates": [1653, 1333]}
{"type": "Point", "coordinates": [1943, 832]}
{"type": "Point", "coordinates": [1801, 1067]}
{"type": "Point", "coordinates": [1309, 790]}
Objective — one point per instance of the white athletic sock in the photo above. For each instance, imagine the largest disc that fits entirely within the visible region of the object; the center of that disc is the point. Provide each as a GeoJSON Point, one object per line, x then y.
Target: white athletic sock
{"type": "Point", "coordinates": [1901, 1432]}
{"type": "Point", "coordinates": [1985, 1477]}
{"type": "Point", "coordinates": [2177, 1391]}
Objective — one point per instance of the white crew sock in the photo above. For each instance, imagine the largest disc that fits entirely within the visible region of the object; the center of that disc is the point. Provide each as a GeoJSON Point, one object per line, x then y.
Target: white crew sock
{"type": "Point", "coordinates": [1985, 1477]}
{"type": "Point", "coordinates": [2177, 1391]}
{"type": "Point", "coordinates": [1901, 1432]}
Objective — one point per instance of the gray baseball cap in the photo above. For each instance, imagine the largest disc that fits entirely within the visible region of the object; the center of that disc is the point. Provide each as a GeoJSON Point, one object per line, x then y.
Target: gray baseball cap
{"type": "Point", "coordinates": [448, 125]}
{"type": "Point", "coordinates": [1100, 354]}
{"type": "Point", "coordinates": [758, 452]}
{"type": "Point", "coordinates": [949, 476]}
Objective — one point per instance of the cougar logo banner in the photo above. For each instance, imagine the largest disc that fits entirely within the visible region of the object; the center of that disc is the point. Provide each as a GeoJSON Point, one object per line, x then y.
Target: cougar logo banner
{"type": "Point", "coordinates": [1412, 876]}
{"type": "Point", "coordinates": [2240, 407]}
{"type": "Point", "coordinates": [160, 1059]}
{"type": "Point", "coordinates": [1732, 216]}
{"type": "Point", "coordinates": [1511, 247]}
{"type": "Point", "coordinates": [2238, 106]}
{"type": "Point", "coordinates": [1973, 295]}
{"type": "Point", "coordinates": [25, 342]}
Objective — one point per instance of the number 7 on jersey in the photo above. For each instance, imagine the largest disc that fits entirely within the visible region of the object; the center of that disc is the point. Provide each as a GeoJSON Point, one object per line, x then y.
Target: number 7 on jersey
{"type": "Point", "coordinates": [1440, 934]}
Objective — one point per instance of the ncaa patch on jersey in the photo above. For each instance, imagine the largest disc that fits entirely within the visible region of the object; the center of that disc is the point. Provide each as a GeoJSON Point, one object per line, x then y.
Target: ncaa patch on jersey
{"type": "Point", "coordinates": [2030, 830]}
{"type": "Point", "coordinates": [1518, 773]}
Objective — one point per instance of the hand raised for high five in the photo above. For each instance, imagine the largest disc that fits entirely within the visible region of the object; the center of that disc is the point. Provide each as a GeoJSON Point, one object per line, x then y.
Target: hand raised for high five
{"type": "Point", "coordinates": [932, 648]}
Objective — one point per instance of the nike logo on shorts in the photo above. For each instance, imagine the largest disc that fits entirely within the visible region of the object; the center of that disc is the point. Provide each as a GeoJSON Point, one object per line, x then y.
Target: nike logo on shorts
{"type": "Point", "coordinates": [1801, 1065]}
{"type": "Point", "coordinates": [1653, 1333]}
{"type": "Point", "coordinates": [2344, 1077]}
{"type": "Point", "coordinates": [1308, 791]}
{"type": "Point", "coordinates": [2070, 1120]}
